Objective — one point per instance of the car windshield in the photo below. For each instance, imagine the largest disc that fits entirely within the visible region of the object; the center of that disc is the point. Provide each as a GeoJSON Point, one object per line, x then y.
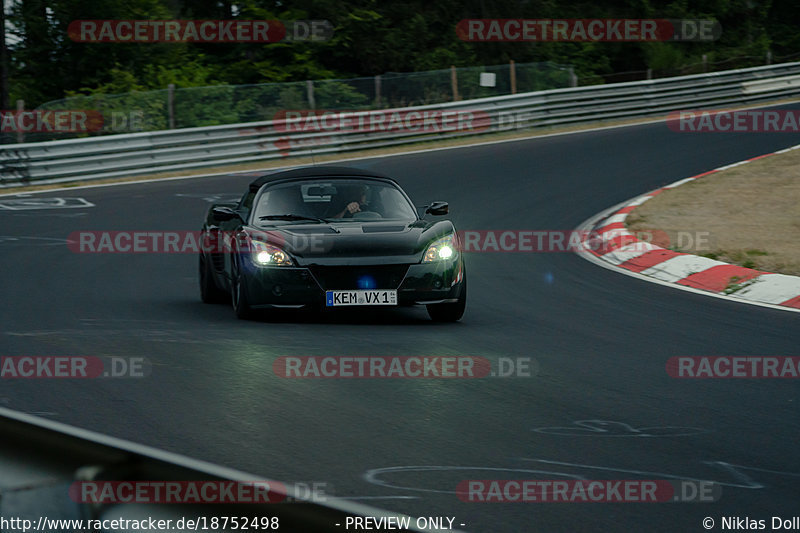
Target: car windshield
{"type": "Point", "coordinates": [332, 199]}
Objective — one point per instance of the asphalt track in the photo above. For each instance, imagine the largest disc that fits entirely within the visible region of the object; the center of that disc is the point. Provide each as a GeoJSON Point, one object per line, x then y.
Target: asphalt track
{"type": "Point", "coordinates": [600, 339]}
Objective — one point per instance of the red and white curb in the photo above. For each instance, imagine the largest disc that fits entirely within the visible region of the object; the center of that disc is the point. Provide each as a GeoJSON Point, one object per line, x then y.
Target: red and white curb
{"type": "Point", "coordinates": [611, 245]}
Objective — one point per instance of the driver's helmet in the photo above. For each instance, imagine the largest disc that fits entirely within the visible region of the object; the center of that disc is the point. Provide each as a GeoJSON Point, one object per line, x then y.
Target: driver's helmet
{"type": "Point", "coordinates": [352, 193]}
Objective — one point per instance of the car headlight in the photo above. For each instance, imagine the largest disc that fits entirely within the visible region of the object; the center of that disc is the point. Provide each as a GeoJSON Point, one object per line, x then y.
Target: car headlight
{"type": "Point", "coordinates": [441, 249]}
{"type": "Point", "coordinates": [265, 254]}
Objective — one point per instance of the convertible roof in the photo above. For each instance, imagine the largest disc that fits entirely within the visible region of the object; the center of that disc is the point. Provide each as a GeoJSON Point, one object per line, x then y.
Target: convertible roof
{"type": "Point", "coordinates": [314, 172]}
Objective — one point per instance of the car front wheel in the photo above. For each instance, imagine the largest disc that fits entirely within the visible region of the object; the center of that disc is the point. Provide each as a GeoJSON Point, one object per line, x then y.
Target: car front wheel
{"type": "Point", "coordinates": [241, 303]}
{"type": "Point", "coordinates": [209, 292]}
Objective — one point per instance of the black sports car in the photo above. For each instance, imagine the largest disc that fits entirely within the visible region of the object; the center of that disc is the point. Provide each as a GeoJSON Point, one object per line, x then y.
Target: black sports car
{"type": "Point", "coordinates": [327, 237]}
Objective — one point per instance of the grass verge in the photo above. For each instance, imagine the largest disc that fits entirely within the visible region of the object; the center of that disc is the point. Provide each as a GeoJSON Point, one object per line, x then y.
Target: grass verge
{"type": "Point", "coordinates": [748, 215]}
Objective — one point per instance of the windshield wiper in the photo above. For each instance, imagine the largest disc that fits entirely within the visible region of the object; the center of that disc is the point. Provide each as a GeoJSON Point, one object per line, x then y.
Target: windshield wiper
{"type": "Point", "coordinates": [293, 217]}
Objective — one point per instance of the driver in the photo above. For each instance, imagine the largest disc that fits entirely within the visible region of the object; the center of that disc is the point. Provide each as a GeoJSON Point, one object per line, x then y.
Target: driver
{"type": "Point", "coordinates": [359, 200]}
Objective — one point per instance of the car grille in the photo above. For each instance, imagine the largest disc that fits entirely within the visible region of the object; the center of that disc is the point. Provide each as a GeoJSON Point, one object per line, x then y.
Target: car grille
{"type": "Point", "coordinates": [348, 277]}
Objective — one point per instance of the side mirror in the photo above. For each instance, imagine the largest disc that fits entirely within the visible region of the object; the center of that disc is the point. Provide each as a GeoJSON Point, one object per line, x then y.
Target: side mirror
{"type": "Point", "coordinates": [438, 208]}
{"type": "Point", "coordinates": [223, 213]}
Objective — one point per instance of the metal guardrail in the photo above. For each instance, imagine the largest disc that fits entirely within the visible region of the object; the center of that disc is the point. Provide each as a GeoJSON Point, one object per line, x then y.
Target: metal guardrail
{"type": "Point", "coordinates": [41, 461]}
{"type": "Point", "coordinates": [193, 148]}
{"type": "Point", "coordinates": [759, 86]}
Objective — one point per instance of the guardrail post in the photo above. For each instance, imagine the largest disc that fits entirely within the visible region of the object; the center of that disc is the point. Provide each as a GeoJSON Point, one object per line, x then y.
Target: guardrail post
{"type": "Point", "coordinates": [769, 57]}
{"type": "Point", "coordinates": [705, 63]}
{"type": "Point", "coordinates": [14, 165]}
{"type": "Point", "coordinates": [512, 69]}
{"type": "Point", "coordinates": [649, 74]}
{"type": "Point", "coordinates": [454, 83]}
{"type": "Point", "coordinates": [573, 79]}
{"type": "Point", "coordinates": [378, 91]}
{"type": "Point", "coordinates": [20, 109]}
{"type": "Point", "coordinates": [310, 94]}
{"type": "Point", "coordinates": [171, 105]}
{"type": "Point", "coordinates": [3, 61]}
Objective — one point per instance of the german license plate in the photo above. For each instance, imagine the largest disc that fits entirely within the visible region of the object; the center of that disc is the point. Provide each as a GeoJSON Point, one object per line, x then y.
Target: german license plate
{"type": "Point", "coordinates": [360, 297]}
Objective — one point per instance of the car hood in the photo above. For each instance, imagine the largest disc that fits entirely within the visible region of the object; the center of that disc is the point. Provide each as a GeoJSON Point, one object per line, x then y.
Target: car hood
{"type": "Point", "coordinates": [353, 243]}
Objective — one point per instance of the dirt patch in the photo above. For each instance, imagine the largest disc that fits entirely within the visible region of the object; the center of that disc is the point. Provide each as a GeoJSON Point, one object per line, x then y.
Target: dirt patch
{"type": "Point", "coordinates": [748, 215]}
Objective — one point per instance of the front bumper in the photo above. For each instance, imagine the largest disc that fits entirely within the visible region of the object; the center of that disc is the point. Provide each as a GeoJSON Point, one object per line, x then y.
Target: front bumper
{"type": "Point", "coordinates": [305, 287]}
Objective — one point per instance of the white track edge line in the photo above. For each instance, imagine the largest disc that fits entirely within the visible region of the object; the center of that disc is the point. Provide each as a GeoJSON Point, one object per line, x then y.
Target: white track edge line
{"type": "Point", "coordinates": [584, 226]}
